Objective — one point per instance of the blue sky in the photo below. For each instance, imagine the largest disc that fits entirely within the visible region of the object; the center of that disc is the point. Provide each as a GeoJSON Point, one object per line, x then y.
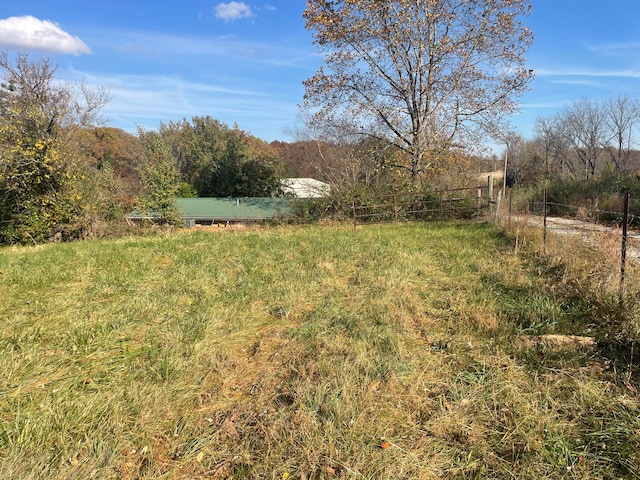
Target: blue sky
{"type": "Point", "coordinates": [244, 61]}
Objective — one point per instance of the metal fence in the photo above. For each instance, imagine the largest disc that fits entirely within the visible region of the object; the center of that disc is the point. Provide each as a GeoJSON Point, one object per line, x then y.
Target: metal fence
{"type": "Point", "coordinates": [592, 225]}
{"type": "Point", "coordinates": [434, 205]}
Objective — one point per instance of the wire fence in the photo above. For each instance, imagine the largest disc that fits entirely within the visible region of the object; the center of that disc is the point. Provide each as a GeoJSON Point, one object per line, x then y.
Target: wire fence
{"type": "Point", "coordinates": [606, 229]}
{"type": "Point", "coordinates": [609, 230]}
{"type": "Point", "coordinates": [434, 205]}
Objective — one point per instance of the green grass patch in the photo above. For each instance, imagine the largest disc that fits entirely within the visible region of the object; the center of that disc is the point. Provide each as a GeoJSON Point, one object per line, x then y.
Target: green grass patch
{"type": "Point", "coordinates": [317, 352]}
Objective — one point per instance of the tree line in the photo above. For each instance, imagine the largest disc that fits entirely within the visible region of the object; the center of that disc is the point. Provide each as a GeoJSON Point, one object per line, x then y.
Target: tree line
{"type": "Point", "coordinates": [64, 175]}
{"type": "Point", "coordinates": [583, 140]}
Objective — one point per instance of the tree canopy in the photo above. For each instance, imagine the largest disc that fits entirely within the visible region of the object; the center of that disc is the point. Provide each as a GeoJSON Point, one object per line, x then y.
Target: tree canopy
{"type": "Point", "coordinates": [584, 139]}
{"type": "Point", "coordinates": [220, 161]}
{"type": "Point", "coordinates": [423, 75]}
{"type": "Point", "coordinates": [38, 195]}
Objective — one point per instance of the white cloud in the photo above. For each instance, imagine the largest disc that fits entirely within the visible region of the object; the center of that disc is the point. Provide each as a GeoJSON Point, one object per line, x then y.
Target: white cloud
{"type": "Point", "coordinates": [153, 44]}
{"type": "Point", "coordinates": [147, 100]}
{"type": "Point", "coordinates": [583, 72]}
{"type": "Point", "coordinates": [616, 49]}
{"type": "Point", "coordinates": [232, 11]}
{"type": "Point", "coordinates": [579, 82]}
{"type": "Point", "coordinates": [30, 33]}
{"type": "Point", "coordinates": [545, 105]}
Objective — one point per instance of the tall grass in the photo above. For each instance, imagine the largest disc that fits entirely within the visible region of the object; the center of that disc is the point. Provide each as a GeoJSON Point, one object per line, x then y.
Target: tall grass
{"type": "Point", "coordinates": [317, 352]}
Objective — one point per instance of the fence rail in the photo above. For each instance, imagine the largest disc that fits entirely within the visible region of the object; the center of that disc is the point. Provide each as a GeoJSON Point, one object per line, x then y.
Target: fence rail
{"type": "Point", "coordinates": [434, 205]}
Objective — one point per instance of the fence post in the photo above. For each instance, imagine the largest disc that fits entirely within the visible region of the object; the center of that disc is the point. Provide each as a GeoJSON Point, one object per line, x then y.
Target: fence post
{"type": "Point", "coordinates": [623, 255]}
{"type": "Point", "coordinates": [353, 210]}
{"type": "Point", "coordinates": [544, 234]}
{"type": "Point", "coordinates": [510, 202]}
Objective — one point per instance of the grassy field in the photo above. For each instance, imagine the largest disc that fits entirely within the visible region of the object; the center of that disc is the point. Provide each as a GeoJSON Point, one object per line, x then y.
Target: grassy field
{"type": "Point", "coordinates": [389, 352]}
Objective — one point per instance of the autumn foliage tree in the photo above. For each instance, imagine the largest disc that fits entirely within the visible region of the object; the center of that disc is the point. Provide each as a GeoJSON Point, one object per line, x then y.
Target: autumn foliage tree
{"type": "Point", "coordinates": [220, 161]}
{"type": "Point", "coordinates": [159, 179]}
{"type": "Point", "coordinates": [33, 179]}
{"type": "Point", "coordinates": [39, 198]}
{"type": "Point", "coordinates": [109, 160]}
{"type": "Point", "coordinates": [426, 76]}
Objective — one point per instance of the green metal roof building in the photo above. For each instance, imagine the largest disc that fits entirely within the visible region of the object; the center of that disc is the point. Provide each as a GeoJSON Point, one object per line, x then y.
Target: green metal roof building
{"type": "Point", "coordinates": [208, 211]}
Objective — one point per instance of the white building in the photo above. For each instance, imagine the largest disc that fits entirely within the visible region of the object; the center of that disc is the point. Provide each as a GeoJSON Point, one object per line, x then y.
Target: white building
{"type": "Point", "coordinates": [305, 187]}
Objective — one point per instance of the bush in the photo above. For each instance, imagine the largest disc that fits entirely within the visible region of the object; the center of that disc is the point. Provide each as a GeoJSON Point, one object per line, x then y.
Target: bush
{"type": "Point", "coordinates": [371, 205]}
{"type": "Point", "coordinates": [310, 210]}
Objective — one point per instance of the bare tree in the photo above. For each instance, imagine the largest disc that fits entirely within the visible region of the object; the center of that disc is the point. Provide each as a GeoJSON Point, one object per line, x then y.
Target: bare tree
{"type": "Point", "coordinates": [32, 84]}
{"type": "Point", "coordinates": [581, 124]}
{"type": "Point", "coordinates": [345, 161]}
{"type": "Point", "coordinates": [422, 75]}
{"type": "Point", "coordinates": [555, 146]}
{"type": "Point", "coordinates": [621, 115]}
{"type": "Point", "coordinates": [514, 153]}
{"type": "Point", "coordinates": [545, 132]}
